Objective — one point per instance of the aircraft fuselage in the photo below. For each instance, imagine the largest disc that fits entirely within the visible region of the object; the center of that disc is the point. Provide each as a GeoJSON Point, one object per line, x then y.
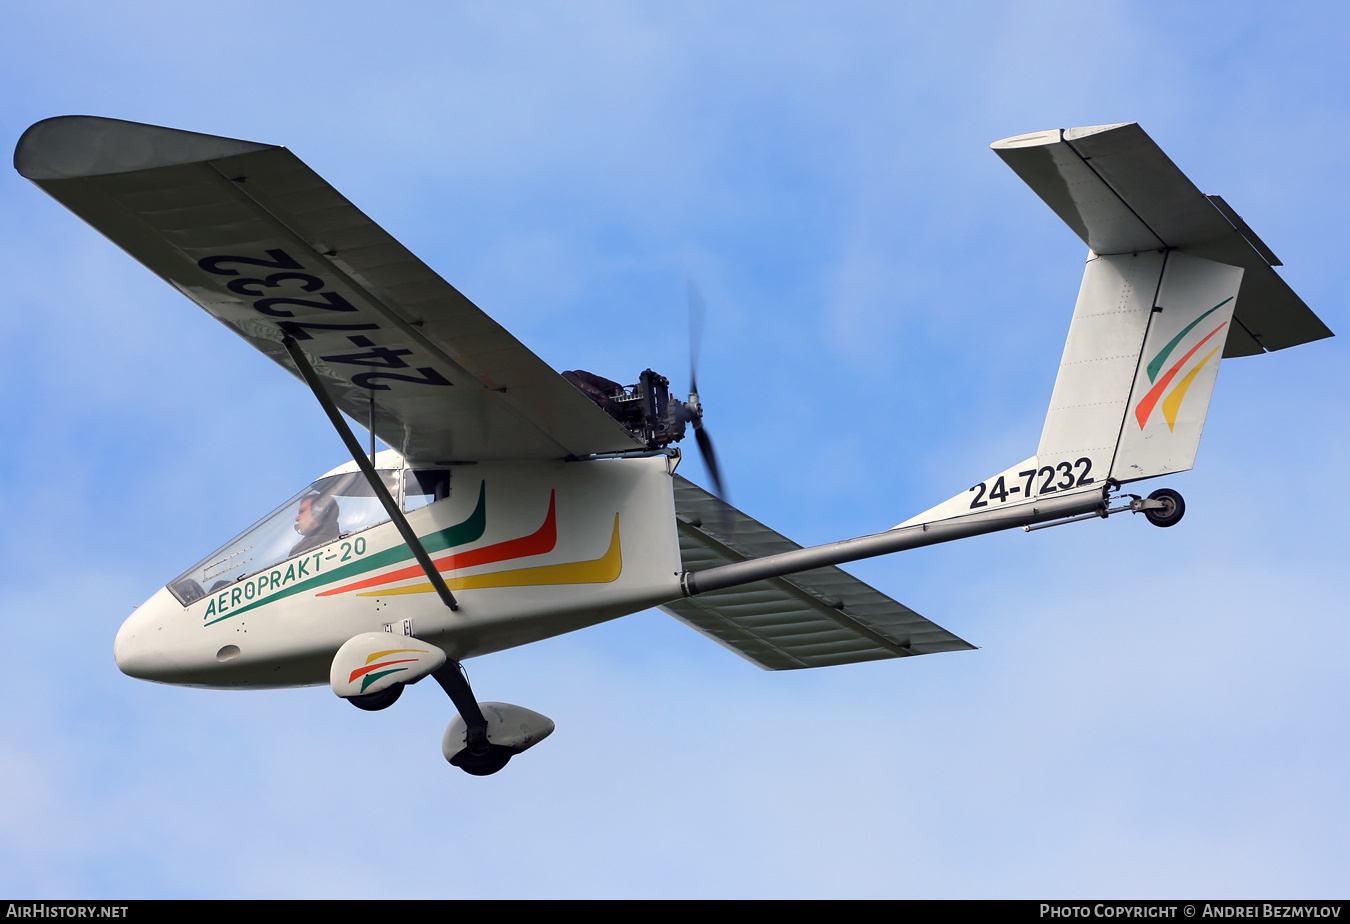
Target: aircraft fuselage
{"type": "Point", "coordinates": [530, 549]}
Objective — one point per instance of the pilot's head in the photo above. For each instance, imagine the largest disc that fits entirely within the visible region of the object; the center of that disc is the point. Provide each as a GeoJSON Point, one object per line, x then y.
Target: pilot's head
{"type": "Point", "coordinates": [317, 511]}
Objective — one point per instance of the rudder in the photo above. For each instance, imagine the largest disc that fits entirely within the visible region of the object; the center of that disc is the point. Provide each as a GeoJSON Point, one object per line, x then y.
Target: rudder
{"type": "Point", "coordinates": [1178, 365]}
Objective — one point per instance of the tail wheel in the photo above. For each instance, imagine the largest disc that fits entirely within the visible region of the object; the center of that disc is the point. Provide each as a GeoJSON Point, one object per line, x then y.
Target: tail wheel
{"type": "Point", "coordinates": [1172, 510]}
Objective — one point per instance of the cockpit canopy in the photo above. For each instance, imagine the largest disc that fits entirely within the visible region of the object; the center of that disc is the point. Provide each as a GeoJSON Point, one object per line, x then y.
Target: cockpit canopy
{"type": "Point", "coordinates": [335, 506]}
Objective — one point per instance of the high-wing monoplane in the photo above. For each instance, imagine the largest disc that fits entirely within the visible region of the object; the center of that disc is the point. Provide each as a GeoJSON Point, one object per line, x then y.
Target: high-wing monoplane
{"type": "Point", "coordinates": [517, 503]}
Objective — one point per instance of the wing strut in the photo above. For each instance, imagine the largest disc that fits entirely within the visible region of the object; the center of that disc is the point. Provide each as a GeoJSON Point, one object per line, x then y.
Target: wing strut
{"type": "Point", "coordinates": [368, 469]}
{"type": "Point", "coordinates": [481, 757]}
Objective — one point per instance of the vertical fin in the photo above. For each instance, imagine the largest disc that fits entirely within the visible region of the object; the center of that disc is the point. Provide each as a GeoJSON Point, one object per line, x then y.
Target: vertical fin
{"type": "Point", "coordinates": [1134, 381]}
{"type": "Point", "coordinates": [1100, 360]}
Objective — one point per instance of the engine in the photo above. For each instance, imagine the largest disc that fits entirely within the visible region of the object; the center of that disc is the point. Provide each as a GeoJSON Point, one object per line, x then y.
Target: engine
{"type": "Point", "coordinates": [646, 409]}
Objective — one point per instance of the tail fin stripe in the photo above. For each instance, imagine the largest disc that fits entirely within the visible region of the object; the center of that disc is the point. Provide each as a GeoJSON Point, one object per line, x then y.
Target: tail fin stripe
{"type": "Point", "coordinates": [1145, 407]}
{"type": "Point", "coordinates": [1157, 362]}
{"type": "Point", "coordinates": [1172, 403]}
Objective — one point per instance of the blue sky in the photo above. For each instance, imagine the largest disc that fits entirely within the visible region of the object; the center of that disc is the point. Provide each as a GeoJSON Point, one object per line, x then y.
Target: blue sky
{"type": "Point", "coordinates": [1150, 713]}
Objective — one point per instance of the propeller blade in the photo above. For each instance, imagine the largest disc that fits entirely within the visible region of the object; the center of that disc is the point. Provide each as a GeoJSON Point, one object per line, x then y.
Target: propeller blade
{"type": "Point", "coordinates": [697, 310]}
{"type": "Point", "coordinates": [705, 447]}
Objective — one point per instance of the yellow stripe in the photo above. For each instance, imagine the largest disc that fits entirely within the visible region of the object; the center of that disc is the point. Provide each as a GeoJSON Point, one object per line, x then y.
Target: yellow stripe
{"type": "Point", "coordinates": [1172, 403]}
{"type": "Point", "coordinates": [600, 570]}
{"type": "Point", "coordinates": [380, 654]}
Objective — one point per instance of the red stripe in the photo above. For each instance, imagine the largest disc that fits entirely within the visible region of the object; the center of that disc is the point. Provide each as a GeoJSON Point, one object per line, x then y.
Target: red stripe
{"type": "Point", "coordinates": [362, 671]}
{"type": "Point", "coordinates": [1150, 401]}
{"type": "Point", "coordinates": [537, 543]}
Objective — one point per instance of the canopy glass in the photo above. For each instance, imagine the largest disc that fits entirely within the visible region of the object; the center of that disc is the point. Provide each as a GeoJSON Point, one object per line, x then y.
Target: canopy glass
{"type": "Point", "coordinates": [331, 508]}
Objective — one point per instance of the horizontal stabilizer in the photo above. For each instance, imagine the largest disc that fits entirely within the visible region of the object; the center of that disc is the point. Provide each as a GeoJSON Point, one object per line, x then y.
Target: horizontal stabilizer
{"type": "Point", "coordinates": [810, 619]}
{"type": "Point", "coordinates": [1121, 194]}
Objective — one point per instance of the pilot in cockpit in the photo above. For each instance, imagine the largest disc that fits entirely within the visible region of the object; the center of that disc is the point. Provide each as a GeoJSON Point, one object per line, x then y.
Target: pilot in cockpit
{"type": "Point", "coordinates": [316, 522]}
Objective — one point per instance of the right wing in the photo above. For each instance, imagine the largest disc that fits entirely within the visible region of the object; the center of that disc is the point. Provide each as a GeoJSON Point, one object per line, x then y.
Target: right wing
{"type": "Point", "coordinates": [812, 619]}
{"type": "Point", "coordinates": [267, 247]}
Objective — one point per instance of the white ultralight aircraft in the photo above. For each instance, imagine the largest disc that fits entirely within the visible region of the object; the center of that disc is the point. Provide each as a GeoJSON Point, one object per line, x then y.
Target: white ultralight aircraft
{"type": "Point", "coordinates": [518, 504]}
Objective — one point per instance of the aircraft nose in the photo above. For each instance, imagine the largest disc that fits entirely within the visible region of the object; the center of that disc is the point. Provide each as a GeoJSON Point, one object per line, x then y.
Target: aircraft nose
{"type": "Point", "coordinates": [139, 648]}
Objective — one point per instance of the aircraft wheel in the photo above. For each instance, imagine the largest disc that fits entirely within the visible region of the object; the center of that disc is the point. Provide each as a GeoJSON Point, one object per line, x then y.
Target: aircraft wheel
{"type": "Point", "coordinates": [374, 702]}
{"type": "Point", "coordinates": [484, 764]}
{"type": "Point", "coordinates": [1173, 509]}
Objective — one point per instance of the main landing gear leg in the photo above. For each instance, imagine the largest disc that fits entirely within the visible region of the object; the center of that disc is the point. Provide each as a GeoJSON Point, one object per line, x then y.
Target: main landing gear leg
{"type": "Point", "coordinates": [481, 757]}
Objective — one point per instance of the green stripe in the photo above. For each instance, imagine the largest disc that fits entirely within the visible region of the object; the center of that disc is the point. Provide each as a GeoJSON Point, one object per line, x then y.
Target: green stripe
{"type": "Point", "coordinates": [470, 530]}
{"type": "Point", "coordinates": [371, 678]}
{"type": "Point", "coordinates": [1157, 362]}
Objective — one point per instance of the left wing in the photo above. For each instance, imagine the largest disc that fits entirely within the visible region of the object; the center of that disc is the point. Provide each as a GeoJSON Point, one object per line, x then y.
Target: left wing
{"type": "Point", "coordinates": [270, 249]}
{"type": "Point", "coordinates": [811, 619]}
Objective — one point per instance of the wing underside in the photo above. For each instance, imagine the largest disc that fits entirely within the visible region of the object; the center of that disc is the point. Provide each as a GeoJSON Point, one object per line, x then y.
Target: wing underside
{"type": "Point", "coordinates": [813, 619]}
{"type": "Point", "coordinates": [267, 247]}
